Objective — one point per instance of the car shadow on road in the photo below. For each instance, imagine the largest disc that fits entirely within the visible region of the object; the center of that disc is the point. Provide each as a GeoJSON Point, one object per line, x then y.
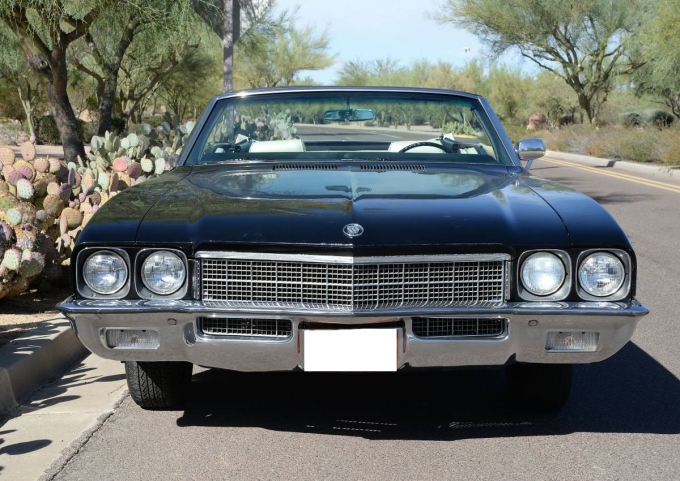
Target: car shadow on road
{"type": "Point", "coordinates": [630, 393]}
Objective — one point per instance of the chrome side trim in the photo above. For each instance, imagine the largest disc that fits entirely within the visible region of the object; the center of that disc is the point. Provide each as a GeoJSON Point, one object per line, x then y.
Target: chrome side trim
{"type": "Point", "coordinates": [260, 256]}
{"type": "Point", "coordinates": [111, 306]}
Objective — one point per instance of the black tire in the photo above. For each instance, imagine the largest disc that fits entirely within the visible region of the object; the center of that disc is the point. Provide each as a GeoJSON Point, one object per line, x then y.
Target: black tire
{"type": "Point", "coordinates": [158, 385]}
{"type": "Point", "coordinates": [539, 387]}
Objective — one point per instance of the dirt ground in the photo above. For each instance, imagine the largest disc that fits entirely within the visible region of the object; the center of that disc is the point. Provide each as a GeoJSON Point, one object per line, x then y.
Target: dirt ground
{"type": "Point", "coordinates": [19, 315]}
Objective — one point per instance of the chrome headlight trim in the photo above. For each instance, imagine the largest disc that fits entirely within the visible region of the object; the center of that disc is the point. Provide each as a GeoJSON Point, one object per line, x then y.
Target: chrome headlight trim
{"type": "Point", "coordinates": [144, 290]}
{"type": "Point", "coordinates": [624, 289]}
{"type": "Point", "coordinates": [85, 289]}
{"type": "Point", "coordinates": [562, 291]}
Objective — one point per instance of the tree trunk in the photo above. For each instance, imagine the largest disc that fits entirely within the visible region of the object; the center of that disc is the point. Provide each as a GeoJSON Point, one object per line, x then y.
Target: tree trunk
{"type": "Point", "coordinates": [106, 101]}
{"type": "Point", "coordinates": [232, 27]}
{"type": "Point", "coordinates": [28, 110]}
{"type": "Point", "coordinates": [64, 115]}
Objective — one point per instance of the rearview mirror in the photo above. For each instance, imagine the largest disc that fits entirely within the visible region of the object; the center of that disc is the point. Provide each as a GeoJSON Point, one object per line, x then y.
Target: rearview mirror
{"type": "Point", "coordinates": [348, 115]}
{"type": "Point", "coordinates": [530, 150]}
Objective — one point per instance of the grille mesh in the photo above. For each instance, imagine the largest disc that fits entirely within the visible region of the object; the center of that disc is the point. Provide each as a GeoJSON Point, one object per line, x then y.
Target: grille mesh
{"type": "Point", "coordinates": [453, 327]}
{"type": "Point", "coordinates": [342, 287]}
{"type": "Point", "coordinates": [227, 326]}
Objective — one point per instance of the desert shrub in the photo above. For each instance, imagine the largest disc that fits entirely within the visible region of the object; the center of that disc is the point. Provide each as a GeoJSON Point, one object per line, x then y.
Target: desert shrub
{"type": "Point", "coordinates": [418, 120]}
{"type": "Point", "coordinates": [369, 123]}
{"type": "Point", "coordinates": [154, 121]}
{"type": "Point", "coordinates": [435, 124]}
{"type": "Point", "coordinates": [46, 130]}
{"type": "Point", "coordinates": [87, 130]}
{"type": "Point", "coordinates": [517, 132]}
{"type": "Point", "coordinates": [658, 118]}
{"type": "Point", "coordinates": [630, 119]}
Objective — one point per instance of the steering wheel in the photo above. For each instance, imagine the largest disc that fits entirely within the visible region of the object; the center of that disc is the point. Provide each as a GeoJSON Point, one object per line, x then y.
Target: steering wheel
{"type": "Point", "coordinates": [423, 144]}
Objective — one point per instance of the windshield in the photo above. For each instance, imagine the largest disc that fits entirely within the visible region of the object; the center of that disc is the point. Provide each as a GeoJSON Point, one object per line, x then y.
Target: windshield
{"type": "Point", "coordinates": [328, 126]}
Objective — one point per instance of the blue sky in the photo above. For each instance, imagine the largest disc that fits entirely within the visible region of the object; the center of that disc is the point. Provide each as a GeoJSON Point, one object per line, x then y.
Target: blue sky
{"type": "Point", "coordinates": [377, 29]}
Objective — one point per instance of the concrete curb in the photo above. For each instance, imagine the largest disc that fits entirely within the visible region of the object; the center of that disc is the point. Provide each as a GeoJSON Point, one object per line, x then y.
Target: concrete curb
{"type": "Point", "coordinates": [657, 170]}
{"type": "Point", "coordinates": [30, 361]}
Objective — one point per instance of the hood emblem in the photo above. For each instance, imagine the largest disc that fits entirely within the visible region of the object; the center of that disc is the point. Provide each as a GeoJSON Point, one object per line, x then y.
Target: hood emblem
{"type": "Point", "coordinates": [353, 230]}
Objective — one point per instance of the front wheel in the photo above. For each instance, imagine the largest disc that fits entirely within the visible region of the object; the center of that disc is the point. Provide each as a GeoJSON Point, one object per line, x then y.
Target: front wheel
{"type": "Point", "coordinates": [540, 387]}
{"type": "Point", "coordinates": [158, 385]}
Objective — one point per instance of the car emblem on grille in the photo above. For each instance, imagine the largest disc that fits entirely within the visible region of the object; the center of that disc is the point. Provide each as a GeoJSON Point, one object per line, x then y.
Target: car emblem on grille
{"type": "Point", "coordinates": [353, 230]}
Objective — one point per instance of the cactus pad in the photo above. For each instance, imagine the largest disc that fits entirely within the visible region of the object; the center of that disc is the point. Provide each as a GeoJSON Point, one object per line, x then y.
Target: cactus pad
{"type": "Point", "coordinates": [25, 189]}
{"type": "Point", "coordinates": [55, 165]}
{"type": "Point", "coordinates": [41, 164]}
{"type": "Point", "coordinates": [13, 217]}
{"type": "Point", "coordinates": [120, 164]}
{"type": "Point", "coordinates": [28, 151]}
{"type": "Point", "coordinates": [7, 156]}
{"type": "Point", "coordinates": [12, 259]}
{"type": "Point", "coordinates": [73, 217]}
{"type": "Point", "coordinates": [53, 205]}
{"type": "Point", "coordinates": [147, 165]}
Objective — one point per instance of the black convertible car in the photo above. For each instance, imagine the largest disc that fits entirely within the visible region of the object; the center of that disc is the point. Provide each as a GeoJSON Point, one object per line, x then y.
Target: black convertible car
{"type": "Point", "coordinates": [353, 229]}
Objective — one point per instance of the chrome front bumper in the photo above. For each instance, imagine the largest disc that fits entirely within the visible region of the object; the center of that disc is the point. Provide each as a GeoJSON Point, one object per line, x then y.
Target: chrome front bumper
{"type": "Point", "coordinates": [181, 339]}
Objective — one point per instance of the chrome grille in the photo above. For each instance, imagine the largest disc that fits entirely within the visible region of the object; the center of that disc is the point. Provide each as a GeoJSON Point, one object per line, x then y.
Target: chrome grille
{"type": "Point", "coordinates": [344, 284]}
{"type": "Point", "coordinates": [457, 327]}
{"type": "Point", "coordinates": [246, 327]}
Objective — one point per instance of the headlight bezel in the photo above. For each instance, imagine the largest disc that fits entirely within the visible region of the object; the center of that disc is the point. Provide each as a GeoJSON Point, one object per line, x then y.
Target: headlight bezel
{"type": "Point", "coordinates": [562, 292]}
{"type": "Point", "coordinates": [623, 292]}
{"type": "Point", "coordinates": [143, 291]}
{"type": "Point", "coordinates": [81, 285]}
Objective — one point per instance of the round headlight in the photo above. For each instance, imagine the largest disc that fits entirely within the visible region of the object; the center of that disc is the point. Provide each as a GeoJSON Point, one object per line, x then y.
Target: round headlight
{"type": "Point", "coordinates": [542, 273]}
{"type": "Point", "coordinates": [601, 274]}
{"type": "Point", "coordinates": [105, 272]}
{"type": "Point", "coordinates": [163, 273]}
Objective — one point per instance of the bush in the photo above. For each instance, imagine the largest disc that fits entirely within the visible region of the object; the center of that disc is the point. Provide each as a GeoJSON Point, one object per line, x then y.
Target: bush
{"type": "Point", "coordinates": [154, 121]}
{"type": "Point", "coordinates": [46, 130]}
{"type": "Point", "coordinates": [630, 119]}
{"type": "Point", "coordinates": [369, 123]}
{"type": "Point", "coordinates": [517, 132]}
{"type": "Point", "coordinates": [658, 118]}
{"type": "Point", "coordinates": [418, 120]}
{"type": "Point", "coordinates": [87, 130]}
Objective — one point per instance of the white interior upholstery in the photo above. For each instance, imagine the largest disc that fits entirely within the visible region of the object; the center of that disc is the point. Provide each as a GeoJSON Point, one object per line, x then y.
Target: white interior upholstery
{"type": "Point", "coordinates": [424, 149]}
{"type": "Point", "coordinates": [292, 145]}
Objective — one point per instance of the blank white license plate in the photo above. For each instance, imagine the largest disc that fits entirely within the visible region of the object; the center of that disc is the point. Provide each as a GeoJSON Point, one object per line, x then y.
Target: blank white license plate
{"type": "Point", "coordinates": [350, 350]}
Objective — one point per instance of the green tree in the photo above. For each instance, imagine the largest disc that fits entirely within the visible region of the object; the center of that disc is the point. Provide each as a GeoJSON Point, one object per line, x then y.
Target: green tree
{"type": "Point", "coordinates": [45, 30]}
{"type": "Point", "coordinates": [585, 42]}
{"type": "Point", "coordinates": [659, 40]}
{"type": "Point", "coordinates": [275, 52]}
{"type": "Point", "coordinates": [19, 82]}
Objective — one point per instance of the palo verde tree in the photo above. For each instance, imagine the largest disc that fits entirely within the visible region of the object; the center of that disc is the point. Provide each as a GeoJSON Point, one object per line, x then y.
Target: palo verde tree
{"type": "Point", "coordinates": [585, 42]}
{"type": "Point", "coordinates": [230, 20]}
{"type": "Point", "coordinates": [659, 40]}
{"type": "Point", "coordinates": [44, 30]}
{"type": "Point", "coordinates": [16, 74]}
{"type": "Point", "coordinates": [273, 52]}
{"type": "Point", "coordinates": [134, 35]}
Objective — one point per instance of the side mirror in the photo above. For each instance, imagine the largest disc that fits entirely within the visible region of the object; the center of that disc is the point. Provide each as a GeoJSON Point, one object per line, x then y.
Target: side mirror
{"type": "Point", "coordinates": [530, 150]}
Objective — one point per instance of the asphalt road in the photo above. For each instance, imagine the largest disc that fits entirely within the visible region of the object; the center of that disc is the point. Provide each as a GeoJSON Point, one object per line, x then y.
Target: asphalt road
{"type": "Point", "coordinates": [622, 422]}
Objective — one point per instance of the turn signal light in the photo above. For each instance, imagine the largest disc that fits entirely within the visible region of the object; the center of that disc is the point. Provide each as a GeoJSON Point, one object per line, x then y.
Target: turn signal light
{"type": "Point", "coordinates": [132, 339]}
{"type": "Point", "coordinates": [572, 341]}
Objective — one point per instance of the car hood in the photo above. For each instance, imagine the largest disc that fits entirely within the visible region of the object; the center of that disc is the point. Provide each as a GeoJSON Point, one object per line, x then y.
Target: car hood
{"type": "Point", "coordinates": [218, 206]}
